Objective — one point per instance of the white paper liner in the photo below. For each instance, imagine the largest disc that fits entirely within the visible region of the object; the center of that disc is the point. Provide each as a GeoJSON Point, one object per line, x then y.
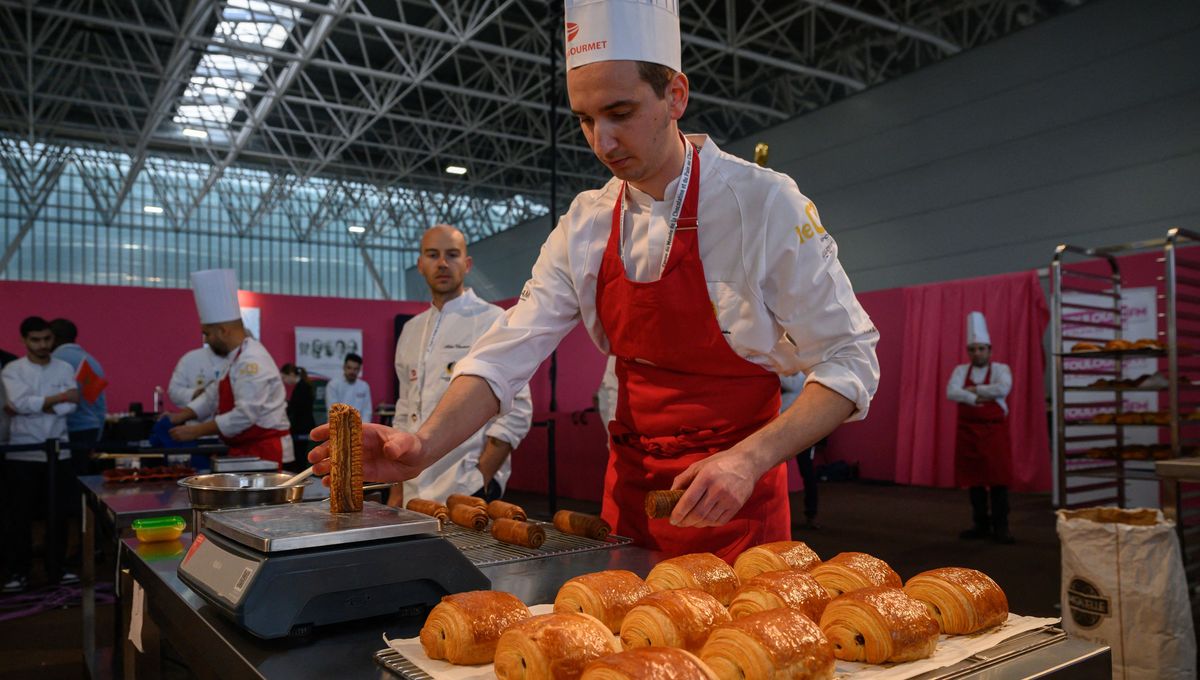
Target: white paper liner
{"type": "Point", "coordinates": [950, 650]}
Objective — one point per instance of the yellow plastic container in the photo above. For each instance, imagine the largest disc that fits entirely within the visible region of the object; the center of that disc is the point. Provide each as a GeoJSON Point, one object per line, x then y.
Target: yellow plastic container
{"type": "Point", "coordinates": [158, 529]}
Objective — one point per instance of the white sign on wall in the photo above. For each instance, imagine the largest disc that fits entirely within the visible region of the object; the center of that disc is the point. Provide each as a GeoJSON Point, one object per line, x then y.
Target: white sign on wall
{"type": "Point", "coordinates": [322, 351]}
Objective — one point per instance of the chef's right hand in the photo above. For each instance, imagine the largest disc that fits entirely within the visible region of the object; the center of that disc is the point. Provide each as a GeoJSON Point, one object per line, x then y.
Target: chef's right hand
{"type": "Point", "coordinates": [389, 455]}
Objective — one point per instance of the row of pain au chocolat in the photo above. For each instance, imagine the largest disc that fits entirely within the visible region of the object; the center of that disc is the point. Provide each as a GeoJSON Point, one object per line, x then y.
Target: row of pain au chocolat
{"type": "Point", "coordinates": [779, 612]}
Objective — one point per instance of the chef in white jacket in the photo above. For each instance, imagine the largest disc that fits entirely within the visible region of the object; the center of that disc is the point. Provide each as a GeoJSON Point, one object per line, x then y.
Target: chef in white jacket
{"type": "Point", "coordinates": [350, 388]}
{"type": "Point", "coordinates": [195, 371]}
{"type": "Point", "coordinates": [704, 274]}
{"type": "Point", "coordinates": [248, 401]}
{"type": "Point", "coordinates": [428, 349]}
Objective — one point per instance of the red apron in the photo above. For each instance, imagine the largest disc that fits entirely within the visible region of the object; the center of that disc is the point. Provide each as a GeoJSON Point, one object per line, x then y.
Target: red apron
{"type": "Point", "coordinates": [981, 448]}
{"type": "Point", "coordinates": [254, 441]}
{"type": "Point", "coordinates": [683, 394]}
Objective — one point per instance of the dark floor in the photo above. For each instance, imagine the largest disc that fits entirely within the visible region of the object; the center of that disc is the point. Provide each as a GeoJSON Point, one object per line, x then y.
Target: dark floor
{"type": "Point", "coordinates": [913, 529]}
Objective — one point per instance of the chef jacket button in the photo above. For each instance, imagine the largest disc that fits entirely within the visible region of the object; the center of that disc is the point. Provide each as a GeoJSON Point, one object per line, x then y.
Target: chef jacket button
{"type": "Point", "coordinates": [414, 417]}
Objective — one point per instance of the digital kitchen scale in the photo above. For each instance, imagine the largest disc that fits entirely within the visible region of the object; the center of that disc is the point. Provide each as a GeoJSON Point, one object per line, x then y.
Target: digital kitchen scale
{"type": "Point", "coordinates": [280, 570]}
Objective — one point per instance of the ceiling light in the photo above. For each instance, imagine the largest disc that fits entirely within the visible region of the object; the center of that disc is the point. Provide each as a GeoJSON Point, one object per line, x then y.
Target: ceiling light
{"type": "Point", "coordinates": [153, 279]}
{"type": "Point", "coordinates": [456, 170]}
{"type": "Point", "coordinates": [152, 209]}
{"type": "Point", "coordinates": [131, 246]}
{"type": "Point", "coordinates": [301, 258]}
{"type": "Point", "coordinates": [197, 134]}
{"type": "Point", "coordinates": [356, 229]}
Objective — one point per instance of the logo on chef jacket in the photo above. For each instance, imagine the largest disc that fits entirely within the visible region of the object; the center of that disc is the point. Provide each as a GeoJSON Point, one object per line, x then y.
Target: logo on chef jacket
{"type": "Point", "coordinates": [450, 368]}
{"type": "Point", "coordinates": [1089, 607]}
{"type": "Point", "coordinates": [412, 374]}
{"type": "Point", "coordinates": [572, 30]}
{"type": "Point", "coordinates": [248, 369]}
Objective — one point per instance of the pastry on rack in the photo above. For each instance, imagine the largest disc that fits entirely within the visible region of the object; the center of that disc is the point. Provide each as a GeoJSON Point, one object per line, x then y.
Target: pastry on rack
{"type": "Point", "coordinates": [1085, 347]}
{"type": "Point", "coordinates": [1147, 343]}
{"type": "Point", "coordinates": [781, 643]}
{"type": "Point", "coordinates": [606, 595]}
{"type": "Point", "coordinates": [552, 647]}
{"type": "Point", "coordinates": [879, 625]}
{"type": "Point", "coordinates": [469, 516]}
{"type": "Point", "coordinates": [345, 449]}
{"type": "Point", "coordinates": [431, 508]}
{"type": "Point", "coordinates": [775, 557]}
{"type": "Point", "coordinates": [963, 601]}
{"type": "Point", "coordinates": [463, 629]}
{"type": "Point", "coordinates": [515, 532]}
{"type": "Point", "coordinates": [1130, 419]}
{"type": "Point", "coordinates": [1104, 418]}
{"type": "Point", "coordinates": [672, 618]}
{"type": "Point", "coordinates": [649, 663]}
{"type": "Point", "coordinates": [790, 588]}
{"type": "Point", "coordinates": [463, 499]}
{"type": "Point", "coordinates": [704, 571]}
{"type": "Point", "coordinates": [853, 570]}
{"type": "Point", "coordinates": [1118, 345]}
{"type": "Point", "coordinates": [581, 524]}
{"type": "Point", "coordinates": [502, 510]}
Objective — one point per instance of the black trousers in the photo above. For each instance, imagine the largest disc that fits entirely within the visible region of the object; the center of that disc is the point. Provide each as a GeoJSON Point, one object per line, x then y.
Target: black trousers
{"type": "Point", "coordinates": [997, 521]}
{"type": "Point", "coordinates": [25, 499]}
{"type": "Point", "coordinates": [82, 443]}
{"type": "Point", "coordinates": [809, 475]}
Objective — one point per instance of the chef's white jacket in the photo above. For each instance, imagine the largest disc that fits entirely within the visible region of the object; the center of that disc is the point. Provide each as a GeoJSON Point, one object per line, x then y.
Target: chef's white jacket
{"type": "Point", "coordinates": [356, 394]}
{"type": "Point", "coordinates": [195, 369]}
{"type": "Point", "coordinates": [781, 297]}
{"type": "Point", "coordinates": [26, 386]}
{"type": "Point", "coordinates": [258, 395]}
{"type": "Point", "coordinates": [430, 346]}
{"type": "Point", "coordinates": [998, 388]}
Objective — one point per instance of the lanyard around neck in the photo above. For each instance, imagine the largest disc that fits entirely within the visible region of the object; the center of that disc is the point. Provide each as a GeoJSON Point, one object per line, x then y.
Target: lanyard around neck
{"type": "Point", "coordinates": [685, 179]}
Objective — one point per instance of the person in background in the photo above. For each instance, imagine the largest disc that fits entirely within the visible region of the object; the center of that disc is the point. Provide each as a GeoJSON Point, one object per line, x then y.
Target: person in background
{"type": "Point", "coordinates": [249, 400]}
{"type": "Point", "coordinates": [350, 389]}
{"type": "Point", "coordinates": [982, 450]}
{"type": "Point", "coordinates": [429, 346]}
{"type": "Point", "coordinates": [196, 370]}
{"type": "Point", "coordinates": [41, 393]}
{"type": "Point", "coordinates": [790, 387]}
{"type": "Point", "coordinates": [86, 425]}
{"type": "Point", "coordinates": [299, 408]}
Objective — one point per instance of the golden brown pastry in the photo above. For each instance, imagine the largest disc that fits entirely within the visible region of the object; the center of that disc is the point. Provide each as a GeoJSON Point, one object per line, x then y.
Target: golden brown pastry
{"type": "Point", "coordinates": [1104, 418]}
{"type": "Point", "coordinates": [791, 588]}
{"type": "Point", "coordinates": [853, 570]}
{"type": "Point", "coordinates": [672, 618]}
{"type": "Point", "coordinates": [502, 510]}
{"type": "Point", "coordinates": [345, 449]}
{"type": "Point", "coordinates": [606, 595]}
{"type": "Point", "coordinates": [704, 571]}
{"type": "Point", "coordinates": [581, 524]}
{"type": "Point", "coordinates": [879, 625]}
{"type": "Point", "coordinates": [775, 557]}
{"type": "Point", "coordinates": [1117, 345]}
{"type": "Point", "coordinates": [431, 508]}
{"type": "Point", "coordinates": [649, 663]}
{"type": "Point", "coordinates": [469, 516]}
{"type": "Point", "coordinates": [524, 534]}
{"type": "Point", "coordinates": [1146, 343]}
{"type": "Point", "coordinates": [961, 600]}
{"type": "Point", "coordinates": [781, 643]}
{"type": "Point", "coordinates": [463, 499]}
{"type": "Point", "coordinates": [463, 629]}
{"type": "Point", "coordinates": [552, 647]}
{"type": "Point", "coordinates": [1130, 419]}
{"type": "Point", "coordinates": [1085, 347]}
{"type": "Point", "coordinates": [660, 504]}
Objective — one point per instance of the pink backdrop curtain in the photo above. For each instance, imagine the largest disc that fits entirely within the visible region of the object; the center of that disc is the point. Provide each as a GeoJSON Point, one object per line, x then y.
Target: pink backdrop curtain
{"type": "Point", "coordinates": [935, 342]}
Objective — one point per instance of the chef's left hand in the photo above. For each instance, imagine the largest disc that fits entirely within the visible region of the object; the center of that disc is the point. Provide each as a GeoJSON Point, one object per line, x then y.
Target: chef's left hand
{"type": "Point", "coordinates": [186, 433]}
{"type": "Point", "coordinates": [717, 488]}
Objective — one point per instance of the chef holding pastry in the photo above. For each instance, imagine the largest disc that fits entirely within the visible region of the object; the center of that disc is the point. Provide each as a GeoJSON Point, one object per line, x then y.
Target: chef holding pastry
{"type": "Point", "coordinates": [249, 399]}
{"type": "Point", "coordinates": [705, 275]}
{"type": "Point", "coordinates": [982, 459]}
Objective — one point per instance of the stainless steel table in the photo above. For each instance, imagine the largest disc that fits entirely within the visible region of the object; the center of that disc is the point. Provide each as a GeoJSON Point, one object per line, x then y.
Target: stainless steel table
{"type": "Point", "coordinates": [215, 648]}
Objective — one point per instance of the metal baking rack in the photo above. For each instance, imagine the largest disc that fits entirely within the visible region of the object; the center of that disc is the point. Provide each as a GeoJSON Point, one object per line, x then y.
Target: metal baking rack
{"type": "Point", "coordinates": [484, 550]}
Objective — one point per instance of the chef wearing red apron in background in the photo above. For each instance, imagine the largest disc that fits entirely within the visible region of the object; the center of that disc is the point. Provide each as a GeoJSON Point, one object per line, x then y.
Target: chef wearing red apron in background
{"type": "Point", "coordinates": [248, 399]}
{"type": "Point", "coordinates": [705, 275]}
{"type": "Point", "coordinates": [982, 455]}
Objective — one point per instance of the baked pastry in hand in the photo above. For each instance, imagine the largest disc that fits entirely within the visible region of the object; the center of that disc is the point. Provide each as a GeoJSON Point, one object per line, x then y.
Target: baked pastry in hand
{"type": "Point", "coordinates": [606, 595]}
{"type": "Point", "coordinates": [649, 663]}
{"type": "Point", "coordinates": [345, 453]}
{"type": "Point", "coordinates": [672, 618]}
{"type": "Point", "coordinates": [704, 571]}
{"type": "Point", "coordinates": [962, 600]}
{"type": "Point", "coordinates": [774, 557]}
{"type": "Point", "coordinates": [879, 625]}
{"type": "Point", "coordinates": [792, 588]}
{"type": "Point", "coordinates": [552, 647]}
{"type": "Point", "coordinates": [463, 629]}
{"type": "Point", "coordinates": [781, 643]}
{"type": "Point", "coordinates": [853, 570]}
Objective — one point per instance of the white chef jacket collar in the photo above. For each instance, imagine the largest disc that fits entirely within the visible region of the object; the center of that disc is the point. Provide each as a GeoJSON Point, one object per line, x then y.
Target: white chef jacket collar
{"type": "Point", "coordinates": [468, 297]}
{"type": "Point", "coordinates": [708, 151]}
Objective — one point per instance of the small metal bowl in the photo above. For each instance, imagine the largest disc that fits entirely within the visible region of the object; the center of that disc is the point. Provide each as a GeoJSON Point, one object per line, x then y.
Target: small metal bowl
{"type": "Point", "coordinates": [241, 490]}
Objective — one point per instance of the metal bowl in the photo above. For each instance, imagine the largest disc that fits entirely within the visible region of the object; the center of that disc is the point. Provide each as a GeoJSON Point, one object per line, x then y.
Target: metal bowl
{"type": "Point", "coordinates": [241, 490]}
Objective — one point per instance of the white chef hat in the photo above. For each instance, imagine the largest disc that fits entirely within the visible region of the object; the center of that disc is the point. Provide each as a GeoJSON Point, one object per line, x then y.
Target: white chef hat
{"type": "Point", "coordinates": [216, 292]}
{"type": "Point", "coordinates": [612, 30]}
{"type": "Point", "coordinates": [977, 330]}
